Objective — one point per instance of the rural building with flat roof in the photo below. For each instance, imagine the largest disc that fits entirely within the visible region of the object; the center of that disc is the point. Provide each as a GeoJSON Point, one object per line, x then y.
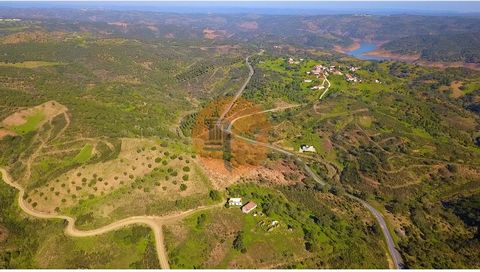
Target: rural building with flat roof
{"type": "Point", "coordinates": [250, 206]}
{"type": "Point", "coordinates": [235, 201]}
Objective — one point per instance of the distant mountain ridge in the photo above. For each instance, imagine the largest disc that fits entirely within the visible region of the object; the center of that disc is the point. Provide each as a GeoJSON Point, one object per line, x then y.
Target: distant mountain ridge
{"type": "Point", "coordinates": [428, 36]}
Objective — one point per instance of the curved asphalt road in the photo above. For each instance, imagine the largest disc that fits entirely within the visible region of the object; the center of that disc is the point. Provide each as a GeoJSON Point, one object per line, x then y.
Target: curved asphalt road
{"type": "Point", "coordinates": [395, 255]}
{"type": "Point", "coordinates": [155, 223]}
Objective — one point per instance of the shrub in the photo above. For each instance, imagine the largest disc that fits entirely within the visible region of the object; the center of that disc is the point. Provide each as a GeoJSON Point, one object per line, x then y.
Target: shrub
{"type": "Point", "coordinates": [183, 187]}
{"type": "Point", "coordinates": [185, 177]}
{"type": "Point", "coordinates": [215, 195]}
{"type": "Point", "coordinates": [201, 220]}
{"type": "Point", "coordinates": [186, 169]}
{"type": "Point", "coordinates": [238, 243]}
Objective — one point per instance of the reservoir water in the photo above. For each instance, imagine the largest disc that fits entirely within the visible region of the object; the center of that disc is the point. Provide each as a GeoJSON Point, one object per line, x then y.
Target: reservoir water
{"type": "Point", "coordinates": [364, 48]}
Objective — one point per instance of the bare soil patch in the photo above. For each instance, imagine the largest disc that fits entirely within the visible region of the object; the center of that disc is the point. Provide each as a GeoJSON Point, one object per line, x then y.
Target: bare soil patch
{"type": "Point", "coordinates": [49, 109]}
{"type": "Point", "coordinates": [220, 175]}
{"type": "Point", "coordinates": [213, 34]}
{"type": "Point", "coordinates": [6, 132]}
{"type": "Point", "coordinates": [388, 54]}
{"type": "Point", "coordinates": [344, 49]}
{"type": "Point", "coordinates": [455, 87]}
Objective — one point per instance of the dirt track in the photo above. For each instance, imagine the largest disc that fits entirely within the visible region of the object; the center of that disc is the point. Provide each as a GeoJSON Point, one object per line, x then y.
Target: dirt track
{"type": "Point", "coordinates": [393, 252]}
{"type": "Point", "coordinates": [154, 222]}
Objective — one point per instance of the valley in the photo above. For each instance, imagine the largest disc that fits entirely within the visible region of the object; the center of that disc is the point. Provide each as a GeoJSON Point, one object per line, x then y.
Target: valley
{"type": "Point", "coordinates": [210, 141]}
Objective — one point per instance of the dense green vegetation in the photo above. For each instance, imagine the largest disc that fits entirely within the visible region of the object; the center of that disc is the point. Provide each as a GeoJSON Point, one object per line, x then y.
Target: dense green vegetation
{"type": "Point", "coordinates": [293, 227]}
{"type": "Point", "coordinates": [404, 144]}
{"type": "Point", "coordinates": [405, 138]}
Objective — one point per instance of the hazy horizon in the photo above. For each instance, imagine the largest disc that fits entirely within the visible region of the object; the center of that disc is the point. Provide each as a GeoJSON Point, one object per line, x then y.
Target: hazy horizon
{"type": "Point", "coordinates": [273, 7]}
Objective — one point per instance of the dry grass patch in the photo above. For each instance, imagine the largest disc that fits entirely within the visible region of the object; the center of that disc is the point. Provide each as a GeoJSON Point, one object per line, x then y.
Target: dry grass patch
{"type": "Point", "coordinates": [3, 234]}
{"type": "Point", "coordinates": [143, 173]}
{"type": "Point", "coordinates": [30, 64]}
{"type": "Point", "coordinates": [31, 119]}
{"type": "Point", "coordinates": [455, 87]}
{"type": "Point", "coordinates": [35, 36]}
{"type": "Point", "coordinates": [48, 109]}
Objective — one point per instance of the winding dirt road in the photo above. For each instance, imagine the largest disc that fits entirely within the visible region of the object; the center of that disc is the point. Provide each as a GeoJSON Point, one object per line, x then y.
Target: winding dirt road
{"type": "Point", "coordinates": [154, 222]}
{"type": "Point", "coordinates": [393, 252]}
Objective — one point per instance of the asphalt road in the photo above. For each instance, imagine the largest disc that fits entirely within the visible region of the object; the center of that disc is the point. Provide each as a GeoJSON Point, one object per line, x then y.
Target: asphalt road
{"type": "Point", "coordinates": [395, 255]}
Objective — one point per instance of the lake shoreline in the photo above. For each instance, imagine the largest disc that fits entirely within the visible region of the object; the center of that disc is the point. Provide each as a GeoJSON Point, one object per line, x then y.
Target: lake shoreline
{"type": "Point", "coordinates": [372, 51]}
{"type": "Point", "coordinates": [346, 49]}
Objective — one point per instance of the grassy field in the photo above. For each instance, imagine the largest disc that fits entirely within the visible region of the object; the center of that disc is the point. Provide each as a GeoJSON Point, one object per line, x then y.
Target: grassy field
{"type": "Point", "coordinates": [32, 123]}
{"type": "Point", "coordinates": [85, 154]}
{"type": "Point", "coordinates": [283, 232]}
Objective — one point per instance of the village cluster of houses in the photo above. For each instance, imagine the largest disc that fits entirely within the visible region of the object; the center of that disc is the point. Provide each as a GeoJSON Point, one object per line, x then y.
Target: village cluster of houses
{"type": "Point", "coordinates": [323, 71]}
{"type": "Point", "coordinates": [350, 77]}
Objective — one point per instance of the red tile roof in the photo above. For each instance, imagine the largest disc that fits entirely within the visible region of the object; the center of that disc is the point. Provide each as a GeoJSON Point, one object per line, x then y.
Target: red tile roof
{"type": "Point", "coordinates": [249, 207]}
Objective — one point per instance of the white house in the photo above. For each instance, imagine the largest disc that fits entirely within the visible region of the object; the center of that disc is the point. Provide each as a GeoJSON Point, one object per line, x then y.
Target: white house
{"type": "Point", "coordinates": [235, 201]}
{"type": "Point", "coordinates": [306, 148]}
{"type": "Point", "coordinates": [307, 80]}
{"type": "Point", "coordinates": [318, 87]}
